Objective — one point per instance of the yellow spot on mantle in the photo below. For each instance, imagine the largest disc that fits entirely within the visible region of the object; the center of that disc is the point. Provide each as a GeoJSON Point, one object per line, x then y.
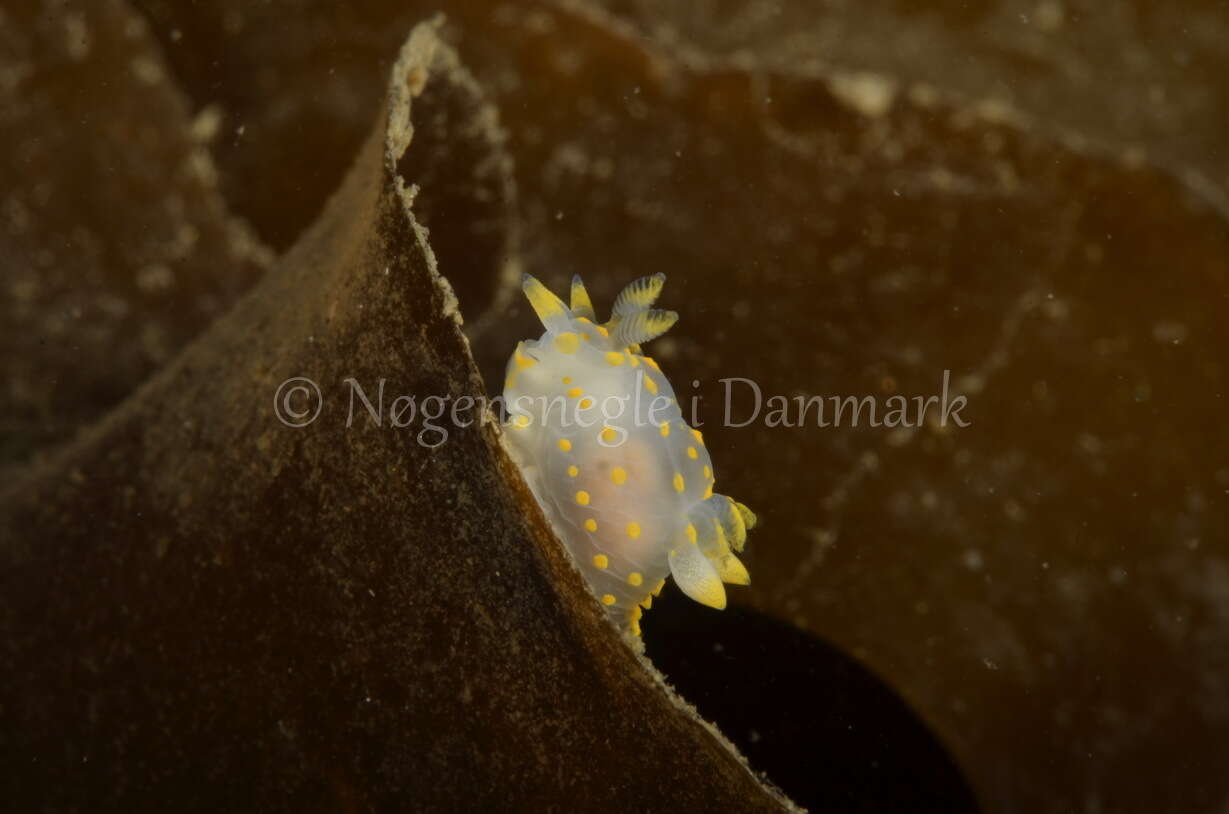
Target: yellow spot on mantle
{"type": "Point", "coordinates": [608, 599]}
{"type": "Point", "coordinates": [618, 475]}
{"type": "Point", "coordinates": [523, 361]}
{"type": "Point", "coordinates": [692, 454]}
{"type": "Point", "coordinates": [679, 484]}
{"type": "Point", "coordinates": [582, 497]}
{"type": "Point", "coordinates": [614, 358]}
{"type": "Point", "coordinates": [600, 560]}
{"type": "Point", "coordinates": [634, 578]}
{"type": "Point", "coordinates": [567, 342]}
{"type": "Point", "coordinates": [633, 530]}
{"type": "Point", "coordinates": [573, 471]}
{"type": "Point", "coordinates": [565, 445]}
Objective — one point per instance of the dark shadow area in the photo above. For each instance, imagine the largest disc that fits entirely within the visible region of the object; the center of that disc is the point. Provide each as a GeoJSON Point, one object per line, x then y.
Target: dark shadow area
{"type": "Point", "coordinates": [824, 729]}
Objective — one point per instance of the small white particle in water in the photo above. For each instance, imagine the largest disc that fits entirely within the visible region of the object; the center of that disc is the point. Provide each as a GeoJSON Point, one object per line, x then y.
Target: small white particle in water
{"type": "Point", "coordinates": [973, 560]}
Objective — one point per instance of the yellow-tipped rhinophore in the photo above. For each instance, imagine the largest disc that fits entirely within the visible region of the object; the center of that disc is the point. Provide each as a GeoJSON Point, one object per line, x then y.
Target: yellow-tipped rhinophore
{"type": "Point", "coordinates": [582, 306]}
{"type": "Point", "coordinates": [549, 308]}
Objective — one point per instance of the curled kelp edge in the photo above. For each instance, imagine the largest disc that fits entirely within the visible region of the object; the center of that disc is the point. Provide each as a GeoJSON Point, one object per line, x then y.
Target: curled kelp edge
{"type": "Point", "coordinates": [494, 288]}
{"type": "Point", "coordinates": [157, 558]}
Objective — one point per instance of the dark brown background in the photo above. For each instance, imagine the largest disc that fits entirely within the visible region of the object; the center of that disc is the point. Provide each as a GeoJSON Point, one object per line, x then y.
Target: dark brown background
{"type": "Point", "coordinates": [848, 198]}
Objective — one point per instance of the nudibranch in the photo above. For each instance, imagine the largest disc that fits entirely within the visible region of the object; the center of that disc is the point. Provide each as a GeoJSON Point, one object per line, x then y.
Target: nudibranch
{"type": "Point", "coordinates": [601, 440]}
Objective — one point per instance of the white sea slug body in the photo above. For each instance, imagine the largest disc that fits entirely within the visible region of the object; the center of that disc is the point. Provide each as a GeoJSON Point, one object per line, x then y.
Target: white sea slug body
{"type": "Point", "coordinates": [600, 438]}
